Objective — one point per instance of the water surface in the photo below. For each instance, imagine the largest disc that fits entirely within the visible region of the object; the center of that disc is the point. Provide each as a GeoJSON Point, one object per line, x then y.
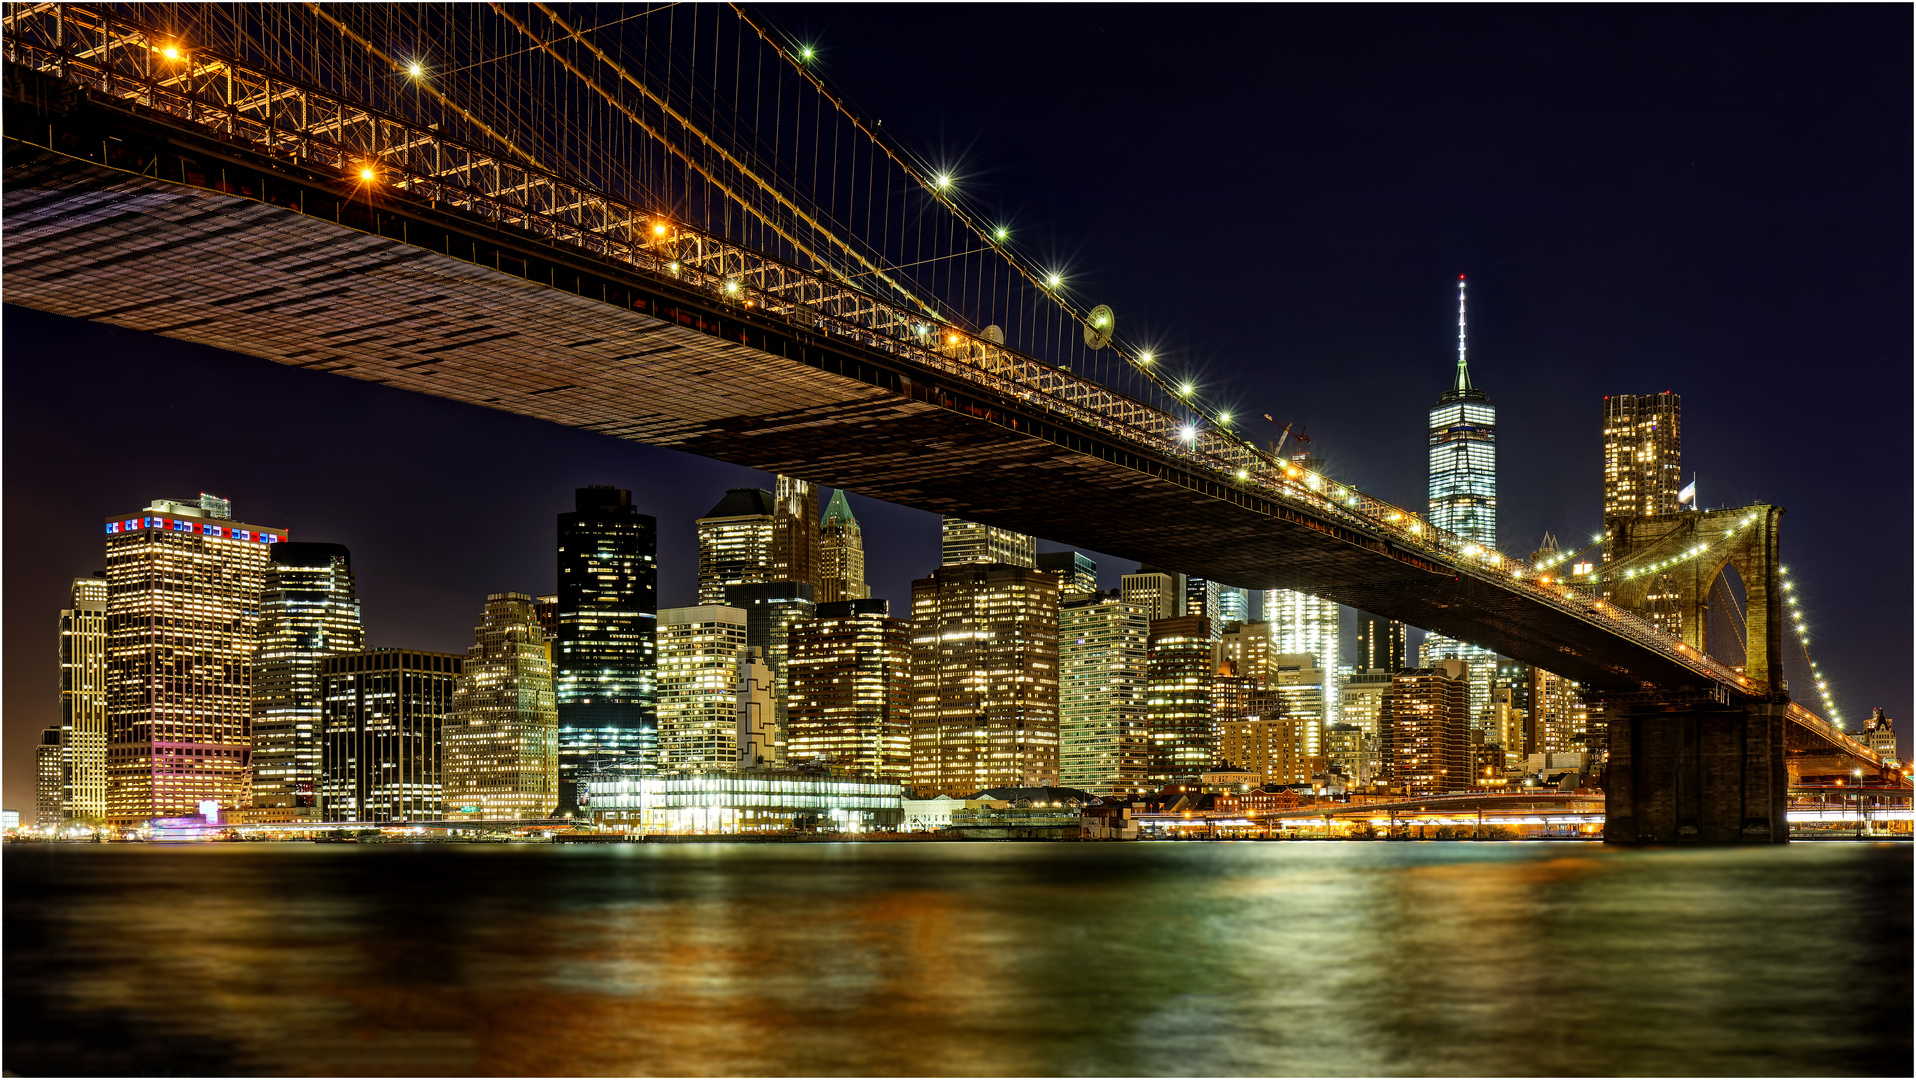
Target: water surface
{"type": "Point", "coordinates": [975, 959]}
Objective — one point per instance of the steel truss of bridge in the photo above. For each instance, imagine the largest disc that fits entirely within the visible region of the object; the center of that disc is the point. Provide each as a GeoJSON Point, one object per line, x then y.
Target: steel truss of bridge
{"type": "Point", "coordinates": [218, 204]}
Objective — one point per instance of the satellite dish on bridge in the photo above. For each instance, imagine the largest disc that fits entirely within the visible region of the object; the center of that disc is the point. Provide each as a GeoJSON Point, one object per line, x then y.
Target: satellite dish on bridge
{"type": "Point", "coordinates": [993, 334]}
{"type": "Point", "coordinates": [1099, 326]}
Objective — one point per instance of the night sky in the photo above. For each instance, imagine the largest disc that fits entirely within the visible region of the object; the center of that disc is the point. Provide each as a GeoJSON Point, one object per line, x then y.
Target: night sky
{"type": "Point", "coordinates": [1711, 200]}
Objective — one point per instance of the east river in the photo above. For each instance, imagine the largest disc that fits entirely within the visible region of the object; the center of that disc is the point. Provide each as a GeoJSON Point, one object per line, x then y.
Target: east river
{"type": "Point", "coordinates": [957, 958]}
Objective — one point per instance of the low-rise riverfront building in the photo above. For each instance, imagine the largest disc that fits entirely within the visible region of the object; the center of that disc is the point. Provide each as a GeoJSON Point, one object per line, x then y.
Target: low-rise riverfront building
{"type": "Point", "coordinates": [760, 800]}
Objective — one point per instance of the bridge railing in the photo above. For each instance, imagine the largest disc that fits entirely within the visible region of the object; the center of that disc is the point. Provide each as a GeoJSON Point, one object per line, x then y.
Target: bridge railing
{"type": "Point", "coordinates": [304, 124]}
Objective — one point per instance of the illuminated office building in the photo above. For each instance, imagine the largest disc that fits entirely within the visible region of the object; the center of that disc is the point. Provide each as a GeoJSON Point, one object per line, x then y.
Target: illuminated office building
{"type": "Point", "coordinates": [1178, 703]}
{"type": "Point", "coordinates": [698, 669]}
{"type": "Point", "coordinates": [309, 610]}
{"type": "Point", "coordinates": [796, 552]}
{"type": "Point", "coordinates": [1642, 454]}
{"type": "Point", "coordinates": [984, 678]}
{"type": "Point", "coordinates": [735, 542]}
{"type": "Point", "coordinates": [1105, 742]}
{"type": "Point", "coordinates": [1558, 715]}
{"type": "Point", "coordinates": [1365, 701]}
{"type": "Point", "coordinates": [1879, 734]}
{"type": "Point", "coordinates": [841, 554]}
{"type": "Point", "coordinates": [1076, 572]}
{"type": "Point", "coordinates": [500, 756]}
{"type": "Point", "coordinates": [755, 730]}
{"type": "Point", "coordinates": [771, 609]}
{"type": "Point", "coordinates": [1463, 453]}
{"type": "Point", "coordinates": [83, 646]}
{"type": "Point", "coordinates": [1385, 644]}
{"type": "Point", "coordinates": [182, 622]}
{"type": "Point", "coordinates": [49, 776]}
{"type": "Point", "coordinates": [603, 625]}
{"type": "Point", "coordinates": [1158, 594]}
{"type": "Point", "coordinates": [971, 542]}
{"type": "Point", "coordinates": [1302, 624]}
{"type": "Point", "coordinates": [1295, 691]}
{"type": "Point", "coordinates": [1248, 648]}
{"type": "Point", "coordinates": [383, 725]}
{"type": "Point", "coordinates": [1428, 730]}
{"type": "Point", "coordinates": [1281, 749]}
{"type": "Point", "coordinates": [849, 671]}
{"type": "Point", "coordinates": [1233, 606]}
{"type": "Point", "coordinates": [1202, 596]}
{"type": "Point", "coordinates": [1483, 668]}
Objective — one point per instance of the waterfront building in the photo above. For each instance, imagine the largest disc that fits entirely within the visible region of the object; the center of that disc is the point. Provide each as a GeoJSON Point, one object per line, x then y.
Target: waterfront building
{"type": "Point", "coordinates": [1280, 749]}
{"type": "Point", "coordinates": [1428, 707]}
{"type": "Point", "coordinates": [850, 678]}
{"type": "Point", "coordinates": [761, 800]}
{"type": "Point", "coordinates": [1103, 644]}
{"type": "Point", "coordinates": [83, 647]}
{"type": "Point", "coordinates": [1179, 686]}
{"type": "Point", "coordinates": [1158, 594]}
{"type": "Point", "coordinates": [501, 734]}
{"type": "Point", "coordinates": [603, 625]}
{"type": "Point", "coordinates": [841, 554]}
{"type": "Point", "coordinates": [756, 733]}
{"type": "Point", "coordinates": [50, 777]}
{"type": "Point", "coordinates": [382, 727]}
{"type": "Point", "coordinates": [735, 542]}
{"type": "Point", "coordinates": [697, 694]}
{"type": "Point", "coordinates": [9, 820]}
{"type": "Point", "coordinates": [1307, 625]}
{"type": "Point", "coordinates": [1385, 644]}
{"type": "Point", "coordinates": [1076, 572]}
{"type": "Point", "coordinates": [1248, 648]}
{"type": "Point", "coordinates": [984, 678]}
{"type": "Point", "coordinates": [972, 542]}
{"type": "Point", "coordinates": [309, 610]}
{"type": "Point", "coordinates": [771, 609]}
{"type": "Point", "coordinates": [183, 594]}
{"type": "Point", "coordinates": [1463, 453]}
{"type": "Point", "coordinates": [1879, 734]}
{"type": "Point", "coordinates": [1559, 716]}
{"type": "Point", "coordinates": [1353, 751]}
{"type": "Point", "coordinates": [795, 533]}
{"type": "Point", "coordinates": [1642, 454]}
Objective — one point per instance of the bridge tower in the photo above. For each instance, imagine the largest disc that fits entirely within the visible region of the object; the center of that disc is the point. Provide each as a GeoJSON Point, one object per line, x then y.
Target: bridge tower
{"type": "Point", "coordinates": [1689, 765]}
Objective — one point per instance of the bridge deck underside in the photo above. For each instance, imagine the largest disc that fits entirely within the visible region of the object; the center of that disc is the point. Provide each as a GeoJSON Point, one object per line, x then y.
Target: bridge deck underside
{"type": "Point", "coordinates": [264, 280]}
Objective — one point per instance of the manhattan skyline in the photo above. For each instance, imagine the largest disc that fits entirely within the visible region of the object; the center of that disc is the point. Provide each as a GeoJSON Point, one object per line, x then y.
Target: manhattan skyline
{"type": "Point", "coordinates": [1665, 287]}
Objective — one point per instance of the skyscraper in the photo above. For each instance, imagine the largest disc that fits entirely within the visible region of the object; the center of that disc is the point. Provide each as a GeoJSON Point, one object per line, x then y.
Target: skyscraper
{"type": "Point", "coordinates": [1159, 594]}
{"type": "Point", "coordinates": [735, 542]}
{"type": "Point", "coordinates": [382, 734]}
{"type": "Point", "coordinates": [1178, 699]}
{"type": "Point", "coordinates": [604, 625]}
{"type": "Point", "coordinates": [309, 610]}
{"type": "Point", "coordinates": [1427, 709]}
{"type": "Point", "coordinates": [49, 776]}
{"type": "Point", "coordinates": [1483, 669]}
{"type": "Point", "coordinates": [1205, 597]}
{"type": "Point", "coordinates": [1076, 572]}
{"type": "Point", "coordinates": [841, 554]}
{"type": "Point", "coordinates": [771, 608]}
{"type": "Point", "coordinates": [1307, 625]}
{"type": "Point", "coordinates": [851, 689]}
{"type": "Point", "coordinates": [984, 678]}
{"type": "Point", "coordinates": [795, 533]}
{"type": "Point", "coordinates": [1248, 648]}
{"type": "Point", "coordinates": [182, 623]}
{"type": "Point", "coordinates": [83, 701]}
{"type": "Point", "coordinates": [754, 731]}
{"type": "Point", "coordinates": [1642, 454]}
{"type": "Point", "coordinates": [501, 734]}
{"type": "Point", "coordinates": [1233, 605]}
{"type": "Point", "coordinates": [1463, 453]}
{"type": "Point", "coordinates": [698, 690]}
{"type": "Point", "coordinates": [972, 542]}
{"type": "Point", "coordinates": [1384, 645]}
{"type": "Point", "coordinates": [1105, 744]}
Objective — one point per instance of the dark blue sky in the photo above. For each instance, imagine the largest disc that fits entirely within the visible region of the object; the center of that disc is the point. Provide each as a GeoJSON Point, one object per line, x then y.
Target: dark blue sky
{"type": "Point", "coordinates": [1712, 200]}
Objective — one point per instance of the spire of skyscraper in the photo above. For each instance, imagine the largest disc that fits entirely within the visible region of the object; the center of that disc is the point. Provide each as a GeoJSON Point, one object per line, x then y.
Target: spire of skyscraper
{"type": "Point", "coordinates": [1463, 364]}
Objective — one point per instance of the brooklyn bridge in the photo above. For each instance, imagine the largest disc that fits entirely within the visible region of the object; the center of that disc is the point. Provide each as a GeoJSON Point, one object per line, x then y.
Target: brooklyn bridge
{"type": "Point", "coordinates": [693, 243]}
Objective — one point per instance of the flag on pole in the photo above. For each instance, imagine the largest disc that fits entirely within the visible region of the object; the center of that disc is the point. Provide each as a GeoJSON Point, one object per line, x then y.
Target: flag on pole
{"type": "Point", "coordinates": [1688, 494]}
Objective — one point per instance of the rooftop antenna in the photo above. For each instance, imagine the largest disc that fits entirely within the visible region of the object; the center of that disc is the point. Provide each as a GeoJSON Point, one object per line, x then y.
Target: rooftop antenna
{"type": "Point", "coordinates": [1463, 367]}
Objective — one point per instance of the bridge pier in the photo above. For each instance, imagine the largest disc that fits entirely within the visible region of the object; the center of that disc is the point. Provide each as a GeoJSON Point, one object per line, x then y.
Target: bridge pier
{"type": "Point", "coordinates": [1698, 772]}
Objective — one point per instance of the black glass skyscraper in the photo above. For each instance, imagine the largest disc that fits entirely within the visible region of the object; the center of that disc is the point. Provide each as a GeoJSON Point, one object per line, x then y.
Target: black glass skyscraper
{"type": "Point", "coordinates": [603, 656]}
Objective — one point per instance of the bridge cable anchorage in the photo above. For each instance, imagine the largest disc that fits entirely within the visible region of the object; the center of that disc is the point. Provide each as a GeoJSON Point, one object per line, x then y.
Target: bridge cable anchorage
{"type": "Point", "coordinates": [709, 142]}
{"type": "Point", "coordinates": [436, 95]}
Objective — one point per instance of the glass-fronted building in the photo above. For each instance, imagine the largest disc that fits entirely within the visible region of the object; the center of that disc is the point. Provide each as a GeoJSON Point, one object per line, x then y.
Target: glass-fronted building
{"type": "Point", "coordinates": [1105, 743]}
{"type": "Point", "coordinates": [741, 802]}
{"type": "Point", "coordinates": [1463, 453]}
{"type": "Point", "coordinates": [850, 677]}
{"type": "Point", "coordinates": [383, 726]}
{"type": "Point", "coordinates": [309, 611]}
{"type": "Point", "coordinates": [603, 623]}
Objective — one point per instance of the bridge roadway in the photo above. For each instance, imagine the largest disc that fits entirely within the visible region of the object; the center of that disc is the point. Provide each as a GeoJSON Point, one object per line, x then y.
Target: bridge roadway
{"type": "Point", "coordinates": [122, 213]}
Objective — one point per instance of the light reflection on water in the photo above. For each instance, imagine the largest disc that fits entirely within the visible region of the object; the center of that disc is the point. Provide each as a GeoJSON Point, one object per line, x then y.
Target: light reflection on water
{"type": "Point", "coordinates": [978, 959]}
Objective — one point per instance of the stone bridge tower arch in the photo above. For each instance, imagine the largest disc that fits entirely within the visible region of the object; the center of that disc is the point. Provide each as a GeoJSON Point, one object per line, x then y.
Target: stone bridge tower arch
{"type": "Point", "coordinates": [1645, 555]}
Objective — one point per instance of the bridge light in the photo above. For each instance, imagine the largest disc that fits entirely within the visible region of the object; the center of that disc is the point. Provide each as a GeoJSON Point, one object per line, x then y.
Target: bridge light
{"type": "Point", "coordinates": [1242, 475]}
{"type": "Point", "coordinates": [1188, 433]}
{"type": "Point", "coordinates": [1001, 234]}
{"type": "Point", "coordinates": [675, 266]}
{"type": "Point", "coordinates": [658, 228]}
{"type": "Point", "coordinates": [1223, 418]}
{"type": "Point", "coordinates": [1186, 389]}
{"type": "Point", "coordinates": [1144, 358]}
{"type": "Point", "coordinates": [941, 181]}
{"type": "Point", "coordinates": [170, 52]}
{"type": "Point", "coordinates": [1053, 281]}
{"type": "Point", "coordinates": [366, 172]}
{"type": "Point", "coordinates": [805, 53]}
{"type": "Point", "coordinates": [731, 286]}
{"type": "Point", "coordinates": [415, 70]}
